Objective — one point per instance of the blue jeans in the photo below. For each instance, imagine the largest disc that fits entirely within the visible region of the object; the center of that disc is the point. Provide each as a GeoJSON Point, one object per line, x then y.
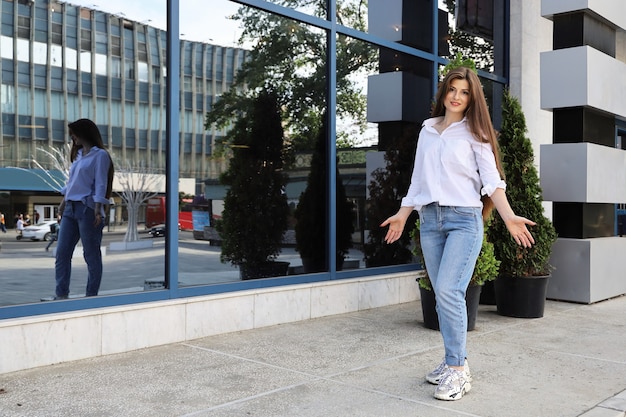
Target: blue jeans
{"type": "Point", "coordinates": [78, 223]}
{"type": "Point", "coordinates": [451, 239]}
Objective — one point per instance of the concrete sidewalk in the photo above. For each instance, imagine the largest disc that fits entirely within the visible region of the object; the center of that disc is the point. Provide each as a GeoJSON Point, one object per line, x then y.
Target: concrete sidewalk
{"type": "Point", "coordinates": [570, 363]}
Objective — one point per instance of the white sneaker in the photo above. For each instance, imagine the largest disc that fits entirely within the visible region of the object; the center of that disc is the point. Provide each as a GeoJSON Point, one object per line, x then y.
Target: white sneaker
{"type": "Point", "coordinates": [435, 376]}
{"type": "Point", "coordinates": [453, 385]}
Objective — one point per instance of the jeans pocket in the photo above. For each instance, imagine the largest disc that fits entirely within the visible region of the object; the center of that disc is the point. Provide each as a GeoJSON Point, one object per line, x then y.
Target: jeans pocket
{"type": "Point", "coordinates": [465, 211]}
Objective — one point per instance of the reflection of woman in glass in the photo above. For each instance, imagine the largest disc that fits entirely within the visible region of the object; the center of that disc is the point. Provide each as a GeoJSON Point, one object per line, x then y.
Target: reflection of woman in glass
{"type": "Point", "coordinates": [87, 191]}
{"type": "Point", "coordinates": [456, 164]}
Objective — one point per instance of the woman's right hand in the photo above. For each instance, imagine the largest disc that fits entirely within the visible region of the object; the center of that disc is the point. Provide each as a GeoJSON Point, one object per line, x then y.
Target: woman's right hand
{"type": "Point", "coordinates": [396, 224]}
{"type": "Point", "coordinates": [61, 209]}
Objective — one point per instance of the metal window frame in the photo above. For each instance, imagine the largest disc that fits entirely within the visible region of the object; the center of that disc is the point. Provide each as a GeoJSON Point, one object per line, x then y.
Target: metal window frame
{"type": "Point", "coordinates": [173, 290]}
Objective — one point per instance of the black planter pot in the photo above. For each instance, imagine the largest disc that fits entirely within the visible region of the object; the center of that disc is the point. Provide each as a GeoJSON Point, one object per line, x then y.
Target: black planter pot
{"type": "Point", "coordinates": [265, 270]}
{"type": "Point", "coordinates": [523, 297]}
{"type": "Point", "coordinates": [431, 321]}
{"type": "Point", "coordinates": [488, 294]}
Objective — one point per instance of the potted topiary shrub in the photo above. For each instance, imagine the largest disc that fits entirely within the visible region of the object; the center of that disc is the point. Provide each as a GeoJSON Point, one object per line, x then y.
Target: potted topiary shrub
{"type": "Point", "coordinates": [312, 213]}
{"type": "Point", "coordinates": [255, 213]}
{"type": "Point", "coordinates": [485, 270]}
{"type": "Point", "coordinates": [521, 286]}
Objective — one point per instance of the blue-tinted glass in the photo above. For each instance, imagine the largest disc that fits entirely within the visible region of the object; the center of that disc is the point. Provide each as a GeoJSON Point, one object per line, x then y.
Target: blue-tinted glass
{"type": "Point", "coordinates": [187, 143]}
{"type": "Point", "coordinates": [85, 24]}
{"type": "Point", "coordinates": [72, 75]}
{"type": "Point", "coordinates": [41, 36]}
{"type": "Point", "coordinates": [207, 150]}
{"type": "Point", "coordinates": [144, 89]}
{"type": "Point", "coordinates": [56, 84]}
{"type": "Point", "coordinates": [130, 91]}
{"type": "Point", "coordinates": [58, 130]}
{"type": "Point", "coordinates": [129, 51]}
{"type": "Point", "coordinates": [105, 136]}
{"type": "Point", "coordinates": [41, 24]}
{"type": "Point", "coordinates": [87, 89]}
{"type": "Point", "coordinates": [101, 43]}
{"type": "Point", "coordinates": [7, 76]}
{"type": "Point", "coordinates": [130, 138]}
{"type": "Point", "coordinates": [7, 29]}
{"type": "Point", "coordinates": [154, 45]}
{"type": "Point", "coordinates": [209, 61]}
{"type": "Point", "coordinates": [22, 9]}
{"type": "Point", "coordinates": [101, 86]}
{"type": "Point", "coordinates": [219, 56]}
{"type": "Point", "coordinates": [101, 22]}
{"type": "Point", "coordinates": [56, 17]}
{"type": "Point", "coordinates": [188, 100]}
{"type": "Point", "coordinates": [156, 94]}
{"type": "Point", "coordinates": [154, 139]}
{"type": "Point", "coordinates": [187, 51]}
{"type": "Point", "coordinates": [23, 79]}
{"type": "Point", "coordinates": [8, 124]}
{"type": "Point", "coordinates": [199, 55]}
{"type": "Point", "coordinates": [116, 133]}
{"type": "Point", "coordinates": [41, 132]}
{"type": "Point", "coordinates": [86, 84]}
{"type": "Point", "coordinates": [143, 139]}
{"type": "Point", "coordinates": [40, 82]}
{"type": "Point", "coordinates": [72, 87]}
{"type": "Point", "coordinates": [230, 64]}
{"type": "Point", "coordinates": [116, 88]}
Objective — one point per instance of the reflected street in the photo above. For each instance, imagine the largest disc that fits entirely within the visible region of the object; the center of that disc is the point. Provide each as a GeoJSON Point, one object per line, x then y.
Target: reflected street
{"type": "Point", "coordinates": [27, 270]}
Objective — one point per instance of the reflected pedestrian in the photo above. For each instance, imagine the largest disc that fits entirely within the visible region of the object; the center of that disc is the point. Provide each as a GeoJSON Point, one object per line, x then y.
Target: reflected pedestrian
{"type": "Point", "coordinates": [3, 226]}
{"type": "Point", "coordinates": [19, 227]}
{"type": "Point", "coordinates": [86, 193]}
{"type": "Point", "coordinates": [54, 233]}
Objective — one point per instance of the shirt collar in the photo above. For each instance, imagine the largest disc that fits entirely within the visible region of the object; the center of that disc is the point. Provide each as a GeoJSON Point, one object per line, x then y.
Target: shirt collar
{"type": "Point", "coordinates": [93, 150]}
{"type": "Point", "coordinates": [430, 122]}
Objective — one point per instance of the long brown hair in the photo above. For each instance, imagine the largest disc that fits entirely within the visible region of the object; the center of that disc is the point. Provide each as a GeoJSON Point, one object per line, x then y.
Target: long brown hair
{"type": "Point", "coordinates": [88, 131]}
{"type": "Point", "coordinates": [477, 115]}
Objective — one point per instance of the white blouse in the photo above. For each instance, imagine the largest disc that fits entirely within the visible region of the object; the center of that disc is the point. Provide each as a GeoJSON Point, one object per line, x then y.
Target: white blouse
{"type": "Point", "coordinates": [452, 169]}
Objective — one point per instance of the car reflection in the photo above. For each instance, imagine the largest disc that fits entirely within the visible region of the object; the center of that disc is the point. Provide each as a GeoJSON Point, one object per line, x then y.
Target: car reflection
{"type": "Point", "coordinates": [159, 230]}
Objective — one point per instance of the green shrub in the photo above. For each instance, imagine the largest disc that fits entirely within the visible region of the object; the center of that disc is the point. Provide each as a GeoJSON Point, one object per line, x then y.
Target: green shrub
{"type": "Point", "coordinates": [524, 194]}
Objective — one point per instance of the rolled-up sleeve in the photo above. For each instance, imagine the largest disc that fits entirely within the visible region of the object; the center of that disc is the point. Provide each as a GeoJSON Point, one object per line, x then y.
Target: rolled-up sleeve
{"type": "Point", "coordinates": [102, 165]}
{"type": "Point", "coordinates": [487, 169]}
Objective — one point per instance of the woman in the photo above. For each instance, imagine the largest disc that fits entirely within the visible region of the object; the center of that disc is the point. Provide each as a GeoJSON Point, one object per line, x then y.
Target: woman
{"type": "Point", "coordinates": [456, 181]}
{"type": "Point", "coordinates": [86, 193]}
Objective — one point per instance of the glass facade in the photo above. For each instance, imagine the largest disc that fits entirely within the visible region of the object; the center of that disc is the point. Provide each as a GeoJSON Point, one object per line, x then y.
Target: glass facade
{"type": "Point", "coordinates": [300, 135]}
{"type": "Point", "coordinates": [62, 62]}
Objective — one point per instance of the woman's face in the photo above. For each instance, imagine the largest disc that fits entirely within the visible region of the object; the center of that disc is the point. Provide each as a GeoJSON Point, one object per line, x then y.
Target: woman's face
{"type": "Point", "coordinates": [75, 139]}
{"type": "Point", "coordinates": [458, 97]}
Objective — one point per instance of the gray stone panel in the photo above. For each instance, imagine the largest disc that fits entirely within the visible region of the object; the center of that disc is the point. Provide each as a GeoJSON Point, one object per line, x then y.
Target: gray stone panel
{"type": "Point", "coordinates": [583, 173]}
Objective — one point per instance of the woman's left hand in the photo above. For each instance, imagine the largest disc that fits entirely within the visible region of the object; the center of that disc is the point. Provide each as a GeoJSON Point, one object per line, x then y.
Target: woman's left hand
{"type": "Point", "coordinates": [98, 219]}
{"type": "Point", "coordinates": [517, 228]}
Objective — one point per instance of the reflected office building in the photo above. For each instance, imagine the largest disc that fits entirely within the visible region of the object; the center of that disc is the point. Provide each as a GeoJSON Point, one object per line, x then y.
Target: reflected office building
{"type": "Point", "coordinates": [62, 62]}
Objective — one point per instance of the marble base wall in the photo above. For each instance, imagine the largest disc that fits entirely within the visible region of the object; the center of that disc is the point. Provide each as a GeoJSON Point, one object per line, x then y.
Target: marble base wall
{"type": "Point", "coordinates": [55, 338]}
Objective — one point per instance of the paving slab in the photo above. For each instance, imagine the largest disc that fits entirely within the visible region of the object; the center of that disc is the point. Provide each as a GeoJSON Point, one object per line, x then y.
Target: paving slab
{"type": "Point", "coordinates": [569, 363]}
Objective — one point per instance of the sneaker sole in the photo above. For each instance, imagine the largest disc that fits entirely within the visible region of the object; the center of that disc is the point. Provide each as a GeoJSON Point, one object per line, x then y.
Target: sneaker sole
{"type": "Point", "coordinates": [466, 388]}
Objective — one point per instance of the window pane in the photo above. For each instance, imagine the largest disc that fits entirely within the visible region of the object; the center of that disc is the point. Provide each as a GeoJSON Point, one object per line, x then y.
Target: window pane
{"type": "Point", "coordinates": [250, 160]}
{"type": "Point", "coordinates": [125, 126]}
